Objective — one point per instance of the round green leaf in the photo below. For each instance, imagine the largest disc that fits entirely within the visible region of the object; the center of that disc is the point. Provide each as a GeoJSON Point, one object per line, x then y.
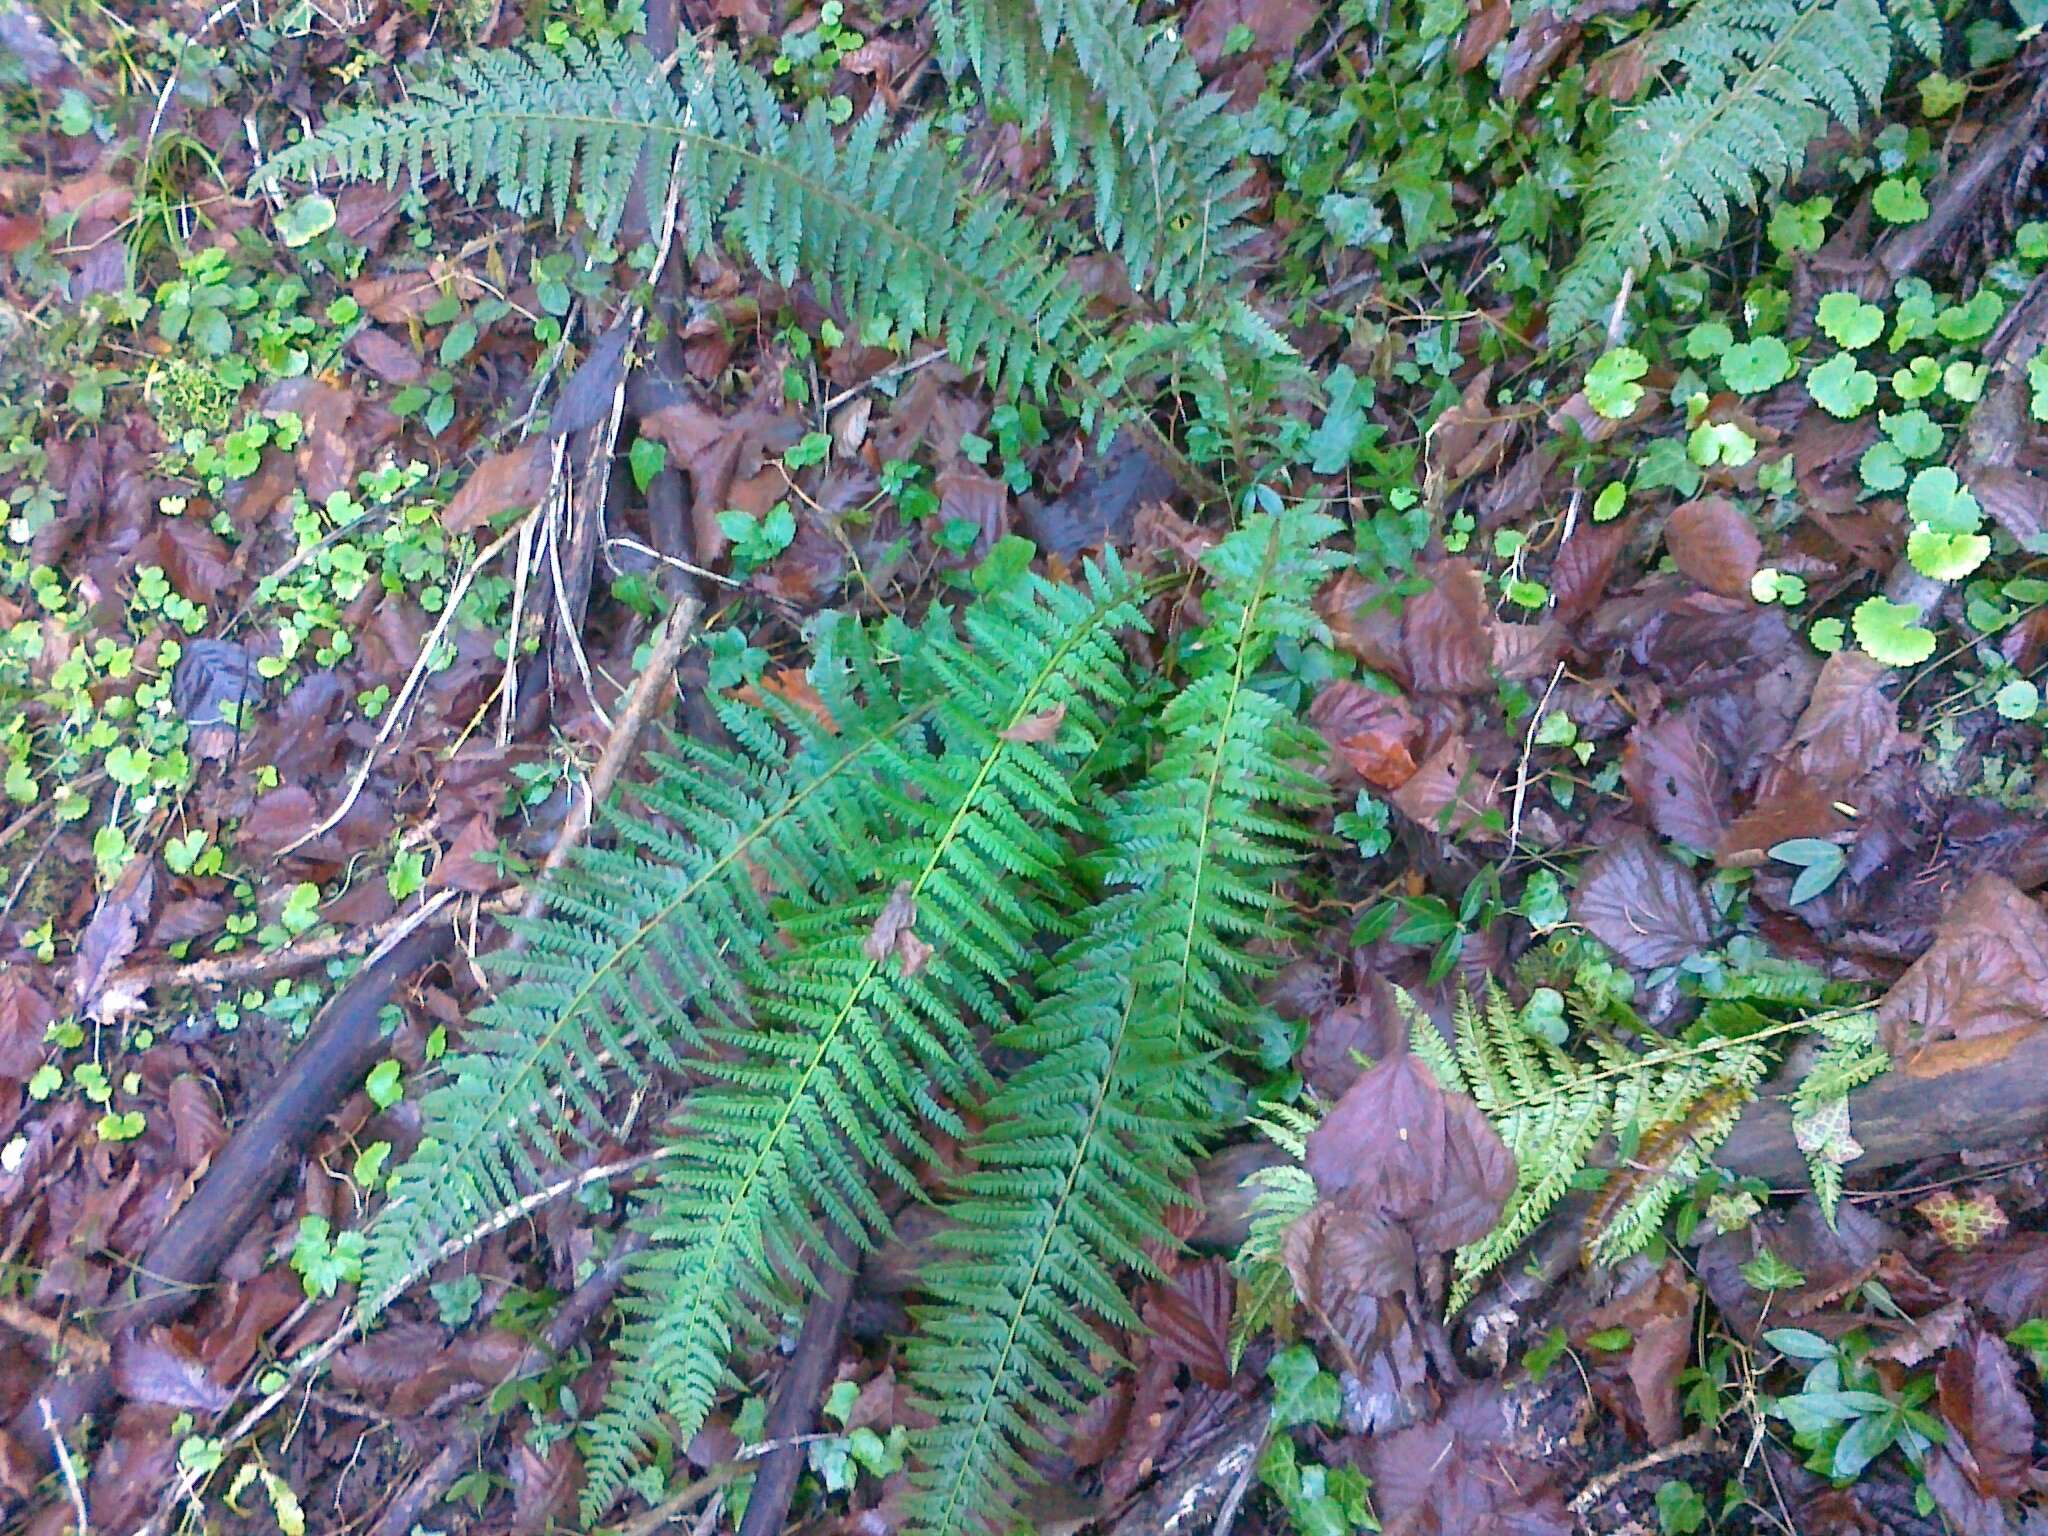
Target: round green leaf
{"type": "Point", "coordinates": [1946, 556]}
{"type": "Point", "coordinates": [1842, 389]}
{"type": "Point", "coordinates": [1849, 322]}
{"type": "Point", "coordinates": [1898, 200]}
{"type": "Point", "coordinates": [1751, 367]}
{"type": "Point", "coordinates": [2018, 700]}
{"type": "Point", "coordinates": [1917, 380]}
{"type": "Point", "coordinates": [1611, 387]}
{"type": "Point", "coordinates": [305, 221]}
{"type": "Point", "coordinates": [1938, 499]}
{"type": "Point", "coordinates": [1916, 433]}
{"type": "Point", "coordinates": [1890, 632]}
{"type": "Point", "coordinates": [1882, 468]}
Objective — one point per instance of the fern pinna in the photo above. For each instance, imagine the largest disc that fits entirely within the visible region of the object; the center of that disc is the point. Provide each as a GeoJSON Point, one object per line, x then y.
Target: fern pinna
{"type": "Point", "coordinates": [1127, 103]}
{"type": "Point", "coordinates": [865, 1007]}
{"type": "Point", "coordinates": [1759, 81]}
{"type": "Point", "coordinates": [883, 226]}
{"type": "Point", "coordinates": [1084, 1148]}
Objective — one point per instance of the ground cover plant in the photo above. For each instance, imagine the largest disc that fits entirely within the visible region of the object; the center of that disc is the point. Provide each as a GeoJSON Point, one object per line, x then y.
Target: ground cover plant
{"type": "Point", "coordinates": [1023, 765]}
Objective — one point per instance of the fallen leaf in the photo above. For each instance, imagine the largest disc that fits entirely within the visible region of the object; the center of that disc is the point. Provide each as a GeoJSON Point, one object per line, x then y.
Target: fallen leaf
{"type": "Point", "coordinates": [1849, 727]}
{"type": "Point", "coordinates": [109, 939]}
{"type": "Point", "coordinates": [1642, 904]}
{"type": "Point", "coordinates": [1678, 780]}
{"type": "Point", "coordinates": [1444, 632]}
{"type": "Point", "coordinates": [1398, 1145]}
{"type": "Point", "coordinates": [1462, 1473]}
{"type": "Point", "coordinates": [462, 867]}
{"type": "Point", "coordinates": [1962, 1222]}
{"type": "Point", "coordinates": [164, 1367]}
{"type": "Point", "coordinates": [1658, 1316]}
{"type": "Point", "coordinates": [1040, 728]}
{"type": "Point", "coordinates": [1985, 973]}
{"type": "Point", "coordinates": [892, 933]}
{"type": "Point", "coordinates": [386, 356]}
{"type": "Point", "coordinates": [1712, 542]}
{"type": "Point", "coordinates": [1373, 732]}
{"type": "Point", "coordinates": [1981, 1398]}
{"type": "Point", "coordinates": [515, 478]}
{"type": "Point", "coordinates": [2007, 1276]}
{"type": "Point", "coordinates": [24, 1015]}
{"type": "Point", "coordinates": [1486, 23]}
{"type": "Point", "coordinates": [1345, 1264]}
{"type": "Point", "coordinates": [1275, 26]}
{"type": "Point", "coordinates": [1190, 1316]}
{"type": "Point", "coordinates": [1444, 794]}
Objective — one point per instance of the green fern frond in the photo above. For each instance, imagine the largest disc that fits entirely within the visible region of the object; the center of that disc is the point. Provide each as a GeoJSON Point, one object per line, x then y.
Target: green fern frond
{"type": "Point", "coordinates": [1670, 1107]}
{"type": "Point", "coordinates": [882, 226]}
{"type": "Point", "coordinates": [1759, 81]}
{"type": "Point", "coordinates": [1124, 104]}
{"type": "Point", "coordinates": [859, 1049]}
{"type": "Point", "coordinates": [1850, 1056]}
{"type": "Point", "coordinates": [638, 946]}
{"type": "Point", "coordinates": [1085, 1148]}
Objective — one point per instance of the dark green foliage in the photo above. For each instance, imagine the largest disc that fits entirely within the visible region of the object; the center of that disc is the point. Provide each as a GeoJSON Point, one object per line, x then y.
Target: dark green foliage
{"type": "Point", "coordinates": [880, 225]}
{"type": "Point", "coordinates": [858, 1050]}
{"type": "Point", "coordinates": [1086, 1145]}
{"type": "Point", "coordinates": [1126, 106]}
{"type": "Point", "coordinates": [1758, 80]}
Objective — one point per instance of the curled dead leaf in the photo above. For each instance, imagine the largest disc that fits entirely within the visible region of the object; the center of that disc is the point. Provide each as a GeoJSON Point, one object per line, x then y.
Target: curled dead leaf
{"type": "Point", "coordinates": [893, 935]}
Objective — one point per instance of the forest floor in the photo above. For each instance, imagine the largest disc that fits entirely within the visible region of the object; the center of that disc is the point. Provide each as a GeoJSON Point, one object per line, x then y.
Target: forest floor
{"type": "Point", "coordinates": [296, 700]}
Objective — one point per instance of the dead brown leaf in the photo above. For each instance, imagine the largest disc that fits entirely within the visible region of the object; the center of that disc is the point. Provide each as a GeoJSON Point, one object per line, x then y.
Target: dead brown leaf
{"type": "Point", "coordinates": [1444, 633]}
{"type": "Point", "coordinates": [1190, 1316]}
{"type": "Point", "coordinates": [1373, 732]}
{"type": "Point", "coordinates": [1986, 973]}
{"type": "Point", "coordinates": [1712, 542]}
{"type": "Point", "coordinates": [893, 934]}
{"type": "Point", "coordinates": [516, 478]}
{"type": "Point", "coordinates": [1678, 780]}
{"type": "Point", "coordinates": [1642, 904]}
{"type": "Point", "coordinates": [1038, 729]}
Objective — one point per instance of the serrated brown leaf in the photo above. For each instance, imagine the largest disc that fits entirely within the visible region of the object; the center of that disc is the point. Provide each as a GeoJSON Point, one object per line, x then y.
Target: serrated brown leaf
{"type": "Point", "coordinates": [1465, 1472]}
{"type": "Point", "coordinates": [1849, 727]}
{"type": "Point", "coordinates": [195, 560]}
{"type": "Point", "coordinates": [1582, 569]}
{"type": "Point", "coordinates": [108, 940]}
{"type": "Point", "coordinates": [462, 867]}
{"type": "Point", "coordinates": [1486, 23]}
{"type": "Point", "coordinates": [1658, 1316]}
{"type": "Point", "coordinates": [1398, 1145]}
{"type": "Point", "coordinates": [1190, 1316]}
{"type": "Point", "coordinates": [24, 1014]}
{"type": "Point", "coordinates": [1642, 904]}
{"type": "Point", "coordinates": [1373, 733]}
{"type": "Point", "coordinates": [164, 1367]}
{"type": "Point", "coordinates": [1678, 780]}
{"type": "Point", "coordinates": [1345, 1264]}
{"type": "Point", "coordinates": [1985, 974]}
{"type": "Point", "coordinates": [2007, 1277]}
{"type": "Point", "coordinates": [386, 356]}
{"type": "Point", "coordinates": [1981, 1398]}
{"type": "Point", "coordinates": [1712, 542]}
{"type": "Point", "coordinates": [1444, 631]}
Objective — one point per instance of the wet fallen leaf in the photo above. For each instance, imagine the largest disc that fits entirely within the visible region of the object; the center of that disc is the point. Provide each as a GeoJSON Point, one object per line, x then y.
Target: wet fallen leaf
{"type": "Point", "coordinates": [893, 934]}
{"type": "Point", "coordinates": [1679, 780]}
{"type": "Point", "coordinates": [1994, 1425]}
{"type": "Point", "coordinates": [1962, 1221]}
{"type": "Point", "coordinates": [108, 940]}
{"type": "Point", "coordinates": [1444, 632]}
{"type": "Point", "coordinates": [515, 478]}
{"type": "Point", "coordinates": [1642, 904]}
{"type": "Point", "coordinates": [1986, 973]}
{"type": "Point", "coordinates": [1373, 732]}
{"type": "Point", "coordinates": [1038, 729]}
{"type": "Point", "coordinates": [1190, 1315]}
{"type": "Point", "coordinates": [1712, 542]}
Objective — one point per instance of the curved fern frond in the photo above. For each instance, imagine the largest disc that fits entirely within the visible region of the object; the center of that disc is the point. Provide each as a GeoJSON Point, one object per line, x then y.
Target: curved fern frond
{"type": "Point", "coordinates": [638, 945]}
{"type": "Point", "coordinates": [1126, 106]}
{"type": "Point", "coordinates": [884, 227]}
{"type": "Point", "coordinates": [1086, 1146]}
{"type": "Point", "coordinates": [863, 1038]}
{"type": "Point", "coordinates": [1760, 79]}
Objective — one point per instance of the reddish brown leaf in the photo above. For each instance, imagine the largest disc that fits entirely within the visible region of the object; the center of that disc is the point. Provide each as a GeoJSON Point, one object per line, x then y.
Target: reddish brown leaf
{"type": "Point", "coordinates": [1486, 23]}
{"type": "Point", "coordinates": [386, 356]}
{"type": "Point", "coordinates": [1444, 792]}
{"type": "Point", "coordinates": [1713, 544]}
{"type": "Point", "coordinates": [1345, 1264]}
{"type": "Point", "coordinates": [1850, 724]}
{"type": "Point", "coordinates": [1982, 1401]}
{"type": "Point", "coordinates": [1190, 1316]}
{"type": "Point", "coordinates": [194, 558]}
{"type": "Point", "coordinates": [1369, 1026]}
{"type": "Point", "coordinates": [516, 478]}
{"type": "Point", "coordinates": [1583, 567]}
{"type": "Point", "coordinates": [462, 867]}
{"type": "Point", "coordinates": [24, 1014]}
{"type": "Point", "coordinates": [1463, 1473]}
{"type": "Point", "coordinates": [196, 1119]}
{"type": "Point", "coordinates": [1040, 728]}
{"type": "Point", "coordinates": [108, 940]}
{"type": "Point", "coordinates": [793, 686]}
{"type": "Point", "coordinates": [1374, 733]}
{"type": "Point", "coordinates": [276, 818]}
{"type": "Point", "coordinates": [1444, 634]}
{"type": "Point", "coordinates": [1986, 972]}
{"type": "Point", "coordinates": [1618, 74]}
{"type": "Point", "coordinates": [1642, 904]}
{"type": "Point", "coordinates": [1366, 621]}
{"type": "Point", "coordinates": [1535, 49]}
{"type": "Point", "coordinates": [1678, 780]}
{"type": "Point", "coordinates": [164, 1367]}
{"type": "Point", "coordinates": [1397, 1144]}
{"type": "Point", "coordinates": [973, 497]}
{"type": "Point", "coordinates": [1275, 27]}
{"type": "Point", "coordinates": [543, 1484]}
{"type": "Point", "coordinates": [2007, 1277]}
{"type": "Point", "coordinates": [1658, 1316]}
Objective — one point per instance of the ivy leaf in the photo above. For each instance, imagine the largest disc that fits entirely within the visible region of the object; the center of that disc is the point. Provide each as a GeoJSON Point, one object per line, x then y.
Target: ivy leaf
{"type": "Point", "coordinates": [1882, 467]}
{"type": "Point", "coordinates": [1916, 434]}
{"type": "Point", "coordinates": [1611, 387]}
{"type": "Point", "coordinates": [1938, 499]}
{"type": "Point", "coordinates": [1917, 380]}
{"type": "Point", "coordinates": [1842, 389]}
{"type": "Point", "coordinates": [647, 458]}
{"type": "Point", "coordinates": [1751, 367]}
{"type": "Point", "coordinates": [1303, 1392]}
{"type": "Point", "coordinates": [1967, 322]}
{"type": "Point", "coordinates": [1898, 200]}
{"type": "Point", "coordinates": [1888, 631]}
{"type": "Point", "coordinates": [1849, 322]}
{"type": "Point", "coordinates": [1946, 556]}
{"type": "Point", "coordinates": [1820, 865]}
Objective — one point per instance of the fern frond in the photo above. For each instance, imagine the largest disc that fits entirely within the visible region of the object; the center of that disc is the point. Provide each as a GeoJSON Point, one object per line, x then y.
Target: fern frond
{"type": "Point", "coordinates": [1850, 1056]}
{"type": "Point", "coordinates": [1760, 80]}
{"type": "Point", "coordinates": [1085, 1148]}
{"type": "Point", "coordinates": [881, 226]}
{"type": "Point", "coordinates": [860, 1048]}
{"type": "Point", "coordinates": [1125, 105]}
{"type": "Point", "coordinates": [638, 946]}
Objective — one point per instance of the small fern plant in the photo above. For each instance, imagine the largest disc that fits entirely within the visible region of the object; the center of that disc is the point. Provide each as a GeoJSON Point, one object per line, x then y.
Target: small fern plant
{"type": "Point", "coordinates": [1667, 1109]}
{"type": "Point", "coordinates": [1085, 1149]}
{"type": "Point", "coordinates": [1756, 82]}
